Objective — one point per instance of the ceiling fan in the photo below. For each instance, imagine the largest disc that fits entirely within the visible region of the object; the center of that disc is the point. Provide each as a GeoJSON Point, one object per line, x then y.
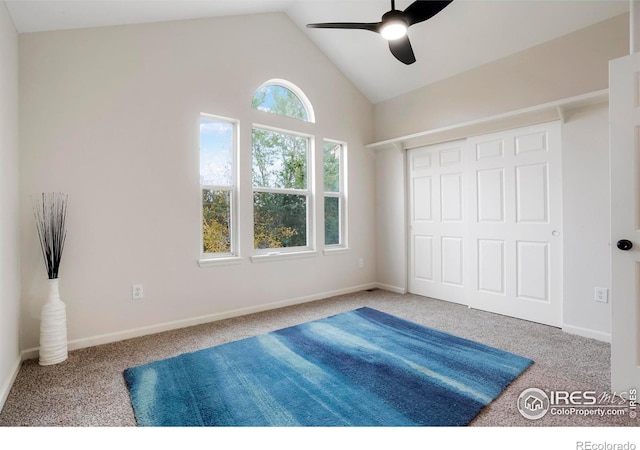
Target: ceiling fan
{"type": "Point", "coordinates": [394, 24]}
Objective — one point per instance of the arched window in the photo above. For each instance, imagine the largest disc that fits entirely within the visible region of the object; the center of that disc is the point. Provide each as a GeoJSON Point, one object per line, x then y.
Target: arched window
{"type": "Point", "coordinates": [286, 199]}
{"type": "Point", "coordinates": [281, 173]}
{"type": "Point", "coordinates": [283, 98]}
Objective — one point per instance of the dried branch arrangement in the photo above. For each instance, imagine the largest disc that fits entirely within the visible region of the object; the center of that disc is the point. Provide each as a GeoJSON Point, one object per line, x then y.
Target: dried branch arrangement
{"type": "Point", "coordinates": [50, 212]}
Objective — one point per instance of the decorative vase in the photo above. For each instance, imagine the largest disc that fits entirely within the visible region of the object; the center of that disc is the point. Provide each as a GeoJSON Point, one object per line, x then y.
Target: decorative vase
{"type": "Point", "coordinates": [53, 328]}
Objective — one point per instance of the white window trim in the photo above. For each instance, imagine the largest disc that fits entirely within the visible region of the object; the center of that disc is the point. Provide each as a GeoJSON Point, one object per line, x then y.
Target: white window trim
{"type": "Point", "coordinates": [220, 261]}
{"type": "Point", "coordinates": [311, 116]}
{"type": "Point", "coordinates": [343, 245]}
{"type": "Point", "coordinates": [282, 191]}
{"type": "Point", "coordinates": [262, 126]}
{"type": "Point", "coordinates": [209, 259]}
{"type": "Point", "coordinates": [220, 255]}
{"type": "Point", "coordinates": [275, 256]}
{"type": "Point", "coordinates": [269, 254]}
{"type": "Point", "coordinates": [335, 250]}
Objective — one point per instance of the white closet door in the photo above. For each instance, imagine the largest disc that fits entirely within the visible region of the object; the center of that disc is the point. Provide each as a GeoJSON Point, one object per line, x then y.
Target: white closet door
{"type": "Point", "coordinates": [515, 223]}
{"type": "Point", "coordinates": [486, 222]}
{"type": "Point", "coordinates": [437, 222]}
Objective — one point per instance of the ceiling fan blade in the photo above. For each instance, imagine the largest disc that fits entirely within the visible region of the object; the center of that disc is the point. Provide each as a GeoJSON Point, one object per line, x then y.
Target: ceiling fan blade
{"type": "Point", "coordinates": [402, 50]}
{"type": "Point", "coordinates": [421, 10]}
{"type": "Point", "coordinates": [375, 27]}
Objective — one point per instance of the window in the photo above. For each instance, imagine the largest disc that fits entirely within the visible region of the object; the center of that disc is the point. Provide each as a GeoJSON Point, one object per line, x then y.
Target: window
{"type": "Point", "coordinates": [334, 198]}
{"type": "Point", "coordinates": [281, 194]}
{"type": "Point", "coordinates": [217, 185]}
{"type": "Point", "coordinates": [285, 178]}
{"type": "Point", "coordinates": [283, 98]}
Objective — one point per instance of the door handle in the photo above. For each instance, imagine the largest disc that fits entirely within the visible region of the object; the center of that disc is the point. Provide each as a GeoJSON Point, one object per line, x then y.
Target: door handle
{"type": "Point", "coordinates": [624, 244]}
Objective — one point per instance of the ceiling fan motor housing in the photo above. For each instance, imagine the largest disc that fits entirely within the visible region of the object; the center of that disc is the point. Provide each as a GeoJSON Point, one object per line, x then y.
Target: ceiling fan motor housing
{"type": "Point", "coordinates": [395, 16]}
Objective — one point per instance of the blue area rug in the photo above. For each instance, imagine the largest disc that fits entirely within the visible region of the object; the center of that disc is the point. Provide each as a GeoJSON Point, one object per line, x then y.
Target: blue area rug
{"type": "Point", "coordinates": [360, 368]}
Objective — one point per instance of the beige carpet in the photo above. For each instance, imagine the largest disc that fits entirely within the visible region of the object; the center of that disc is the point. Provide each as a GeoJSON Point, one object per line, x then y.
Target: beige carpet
{"type": "Point", "coordinates": [88, 389]}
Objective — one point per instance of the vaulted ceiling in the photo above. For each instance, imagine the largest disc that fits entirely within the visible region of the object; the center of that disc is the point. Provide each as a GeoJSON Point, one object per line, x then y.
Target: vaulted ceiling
{"type": "Point", "coordinates": [466, 34]}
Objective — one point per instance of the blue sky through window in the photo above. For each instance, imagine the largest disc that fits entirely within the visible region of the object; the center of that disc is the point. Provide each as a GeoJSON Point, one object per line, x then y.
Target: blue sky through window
{"type": "Point", "coordinates": [280, 100]}
{"type": "Point", "coordinates": [216, 152]}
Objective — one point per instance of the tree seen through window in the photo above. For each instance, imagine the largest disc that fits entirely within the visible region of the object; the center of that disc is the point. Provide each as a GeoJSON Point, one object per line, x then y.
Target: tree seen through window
{"type": "Point", "coordinates": [277, 99]}
{"type": "Point", "coordinates": [280, 197]}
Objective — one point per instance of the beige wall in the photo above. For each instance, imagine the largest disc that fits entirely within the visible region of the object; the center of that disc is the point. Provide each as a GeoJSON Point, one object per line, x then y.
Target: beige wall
{"type": "Point", "coordinates": [9, 214]}
{"type": "Point", "coordinates": [110, 116]}
{"type": "Point", "coordinates": [586, 216]}
{"type": "Point", "coordinates": [564, 67]}
{"type": "Point", "coordinates": [391, 244]}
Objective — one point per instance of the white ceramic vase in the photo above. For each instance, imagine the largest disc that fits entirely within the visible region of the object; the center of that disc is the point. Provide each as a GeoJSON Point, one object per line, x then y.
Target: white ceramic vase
{"type": "Point", "coordinates": [53, 328]}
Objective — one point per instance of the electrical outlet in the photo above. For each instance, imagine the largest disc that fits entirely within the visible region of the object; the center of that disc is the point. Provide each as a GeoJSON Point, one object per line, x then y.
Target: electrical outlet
{"type": "Point", "coordinates": [361, 263]}
{"type": "Point", "coordinates": [601, 295]}
{"type": "Point", "coordinates": [137, 292]}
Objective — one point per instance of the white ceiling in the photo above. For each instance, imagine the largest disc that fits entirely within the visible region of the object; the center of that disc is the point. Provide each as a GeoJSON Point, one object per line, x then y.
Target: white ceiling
{"type": "Point", "coordinates": [466, 34]}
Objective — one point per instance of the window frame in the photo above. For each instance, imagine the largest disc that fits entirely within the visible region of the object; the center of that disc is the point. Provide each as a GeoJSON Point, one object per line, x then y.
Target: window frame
{"type": "Point", "coordinates": [341, 195]}
{"type": "Point", "coordinates": [309, 192]}
{"type": "Point", "coordinates": [241, 190]}
{"type": "Point", "coordinates": [311, 117]}
{"type": "Point", "coordinates": [233, 256]}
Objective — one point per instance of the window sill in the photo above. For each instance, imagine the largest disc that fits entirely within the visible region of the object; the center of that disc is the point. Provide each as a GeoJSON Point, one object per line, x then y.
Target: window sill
{"type": "Point", "coordinates": [335, 250]}
{"type": "Point", "coordinates": [276, 256]}
{"type": "Point", "coordinates": [223, 261]}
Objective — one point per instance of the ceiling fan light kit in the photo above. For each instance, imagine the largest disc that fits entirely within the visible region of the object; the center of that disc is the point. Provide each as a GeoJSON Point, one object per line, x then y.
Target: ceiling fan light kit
{"type": "Point", "coordinates": [393, 31]}
{"type": "Point", "coordinates": [394, 25]}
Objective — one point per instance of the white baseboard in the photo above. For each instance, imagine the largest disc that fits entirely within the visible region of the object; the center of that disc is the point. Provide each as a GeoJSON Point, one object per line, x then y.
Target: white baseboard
{"type": "Point", "coordinates": [586, 332]}
{"type": "Point", "coordinates": [167, 326]}
{"type": "Point", "coordinates": [388, 287]}
{"type": "Point", "coordinates": [8, 383]}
